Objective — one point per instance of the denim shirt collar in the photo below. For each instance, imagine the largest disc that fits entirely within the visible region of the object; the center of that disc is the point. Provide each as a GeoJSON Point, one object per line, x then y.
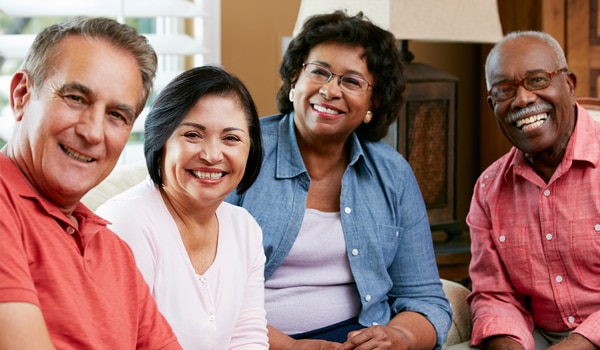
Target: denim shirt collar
{"type": "Point", "coordinates": [289, 159]}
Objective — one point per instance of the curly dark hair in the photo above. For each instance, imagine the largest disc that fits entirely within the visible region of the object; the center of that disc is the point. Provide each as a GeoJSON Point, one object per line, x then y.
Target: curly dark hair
{"type": "Point", "coordinates": [381, 53]}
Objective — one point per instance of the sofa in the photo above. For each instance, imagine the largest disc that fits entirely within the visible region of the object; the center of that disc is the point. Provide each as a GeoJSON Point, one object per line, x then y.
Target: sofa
{"type": "Point", "coordinates": [125, 176]}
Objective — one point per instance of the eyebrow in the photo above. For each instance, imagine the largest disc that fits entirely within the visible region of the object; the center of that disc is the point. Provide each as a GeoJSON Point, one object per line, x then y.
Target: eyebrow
{"type": "Point", "coordinates": [202, 127]}
{"type": "Point", "coordinates": [126, 109]}
{"type": "Point", "coordinates": [348, 73]}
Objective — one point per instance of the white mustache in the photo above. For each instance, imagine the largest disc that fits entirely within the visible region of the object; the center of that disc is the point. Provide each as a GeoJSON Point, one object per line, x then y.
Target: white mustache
{"type": "Point", "coordinates": [515, 115]}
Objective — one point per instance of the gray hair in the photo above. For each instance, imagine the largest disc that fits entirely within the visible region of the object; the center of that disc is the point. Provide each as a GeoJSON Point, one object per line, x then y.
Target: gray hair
{"type": "Point", "coordinates": [42, 54]}
{"type": "Point", "coordinates": [559, 54]}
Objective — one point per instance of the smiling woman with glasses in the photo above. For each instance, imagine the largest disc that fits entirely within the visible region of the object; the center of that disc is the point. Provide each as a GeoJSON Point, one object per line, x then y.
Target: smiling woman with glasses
{"type": "Point", "coordinates": [342, 215]}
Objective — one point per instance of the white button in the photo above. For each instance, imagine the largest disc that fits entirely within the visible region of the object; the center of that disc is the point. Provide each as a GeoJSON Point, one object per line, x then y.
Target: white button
{"type": "Point", "coordinates": [70, 230]}
{"type": "Point", "coordinates": [397, 234]}
{"type": "Point", "coordinates": [347, 210]}
{"type": "Point", "coordinates": [374, 324]}
{"type": "Point", "coordinates": [368, 297]}
{"type": "Point", "coordinates": [355, 252]}
{"type": "Point", "coordinates": [597, 227]}
{"type": "Point", "coordinates": [571, 319]}
{"type": "Point", "coordinates": [211, 317]}
{"type": "Point", "coordinates": [559, 279]}
{"type": "Point", "coordinates": [486, 176]}
{"type": "Point", "coordinates": [549, 236]}
{"type": "Point", "coordinates": [203, 279]}
{"type": "Point", "coordinates": [502, 238]}
{"type": "Point", "coordinates": [546, 193]}
{"type": "Point", "coordinates": [482, 185]}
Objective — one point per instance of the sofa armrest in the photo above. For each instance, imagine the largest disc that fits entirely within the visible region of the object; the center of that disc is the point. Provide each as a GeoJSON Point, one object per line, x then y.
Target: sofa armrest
{"type": "Point", "coordinates": [121, 178]}
{"type": "Point", "coordinates": [462, 324]}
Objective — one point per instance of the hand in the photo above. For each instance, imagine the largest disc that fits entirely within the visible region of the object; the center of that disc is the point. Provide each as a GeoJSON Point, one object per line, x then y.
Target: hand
{"type": "Point", "coordinates": [377, 337]}
{"type": "Point", "coordinates": [312, 344]}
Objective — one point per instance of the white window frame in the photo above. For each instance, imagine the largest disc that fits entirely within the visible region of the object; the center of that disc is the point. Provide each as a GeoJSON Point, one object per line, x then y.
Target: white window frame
{"type": "Point", "coordinates": [202, 45]}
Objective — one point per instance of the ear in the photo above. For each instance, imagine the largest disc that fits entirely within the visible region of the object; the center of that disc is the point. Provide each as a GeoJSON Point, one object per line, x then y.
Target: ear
{"type": "Point", "coordinates": [572, 82]}
{"type": "Point", "coordinates": [490, 102]}
{"type": "Point", "coordinates": [21, 87]}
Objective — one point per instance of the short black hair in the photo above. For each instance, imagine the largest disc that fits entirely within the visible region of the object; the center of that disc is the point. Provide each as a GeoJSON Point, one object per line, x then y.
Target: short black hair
{"type": "Point", "coordinates": [177, 99]}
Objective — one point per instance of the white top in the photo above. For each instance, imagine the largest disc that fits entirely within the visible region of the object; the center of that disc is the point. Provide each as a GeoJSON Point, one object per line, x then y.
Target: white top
{"type": "Point", "coordinates": [222, 309]}
{"type": "Point", "coordinates": [315, 277]}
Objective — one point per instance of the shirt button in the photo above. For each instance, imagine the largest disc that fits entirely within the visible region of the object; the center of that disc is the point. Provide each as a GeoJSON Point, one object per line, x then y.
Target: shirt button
{"type": "Point", "coordinates": [368, 297]}
{"type": "Point", "coordinates": [355, 252]}
{"type": "Point", "coordinates": [546, 193]}
{"type": "Point", "coordinates": [559, 279]}
{"type": "Point", "coordinates": [397, 234]}
{"type": "Point", "coordinates": [502, 238]}
{"type": "Point", "coordinates": [70, 230]}
{"type": "Point", "coordinates": [571, 319]}
{"type": "Point", "coordinates": [597, 227]}
{"type": "Point", "coordinates": [203, 280]}
{"type": "Point", "coordinates": [211, 317]}
{"type": "Point", "coordinates": [347, 210]}
{"type": "Point", "coordinates": [549, 236]}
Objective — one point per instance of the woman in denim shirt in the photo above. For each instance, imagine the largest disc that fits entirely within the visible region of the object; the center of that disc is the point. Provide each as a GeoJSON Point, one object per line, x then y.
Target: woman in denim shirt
{"type": "Point", "coordinates": [346, 234]}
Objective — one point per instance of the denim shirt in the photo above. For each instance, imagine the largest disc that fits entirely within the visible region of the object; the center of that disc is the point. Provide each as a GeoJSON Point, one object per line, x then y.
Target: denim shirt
{"type": "Point", "coordinates": [383, 215]}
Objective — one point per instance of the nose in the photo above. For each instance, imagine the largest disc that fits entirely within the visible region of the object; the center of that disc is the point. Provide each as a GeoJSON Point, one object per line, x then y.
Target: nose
{"type": "Point", "coordinates": [523, 97]}
{"type": "Point", "coordinates": [332, 87]}
{"type": "Point", "coordinates": [211, 151]}
{"type": "Point", "coordinates": [91, 125]}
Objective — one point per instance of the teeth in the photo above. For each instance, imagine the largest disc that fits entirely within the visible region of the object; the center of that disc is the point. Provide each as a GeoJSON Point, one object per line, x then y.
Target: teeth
{"type": "Point", "coordinates": [531, 122]}
{"type": "Point", "coordinates": [324, 109]}
{"type": "Point", "coordinates": [207, 176]}
{"type": "Point", "coordinates": [75, 155]}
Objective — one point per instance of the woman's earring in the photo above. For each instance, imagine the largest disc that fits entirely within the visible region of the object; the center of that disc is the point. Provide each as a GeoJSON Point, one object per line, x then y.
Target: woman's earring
{"type": "Point", "coordinates": [291, 95]}
{"type": "Point", "coordinates": [368, 117]}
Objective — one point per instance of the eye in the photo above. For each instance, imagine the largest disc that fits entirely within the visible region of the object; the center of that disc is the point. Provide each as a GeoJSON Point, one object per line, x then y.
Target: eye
{"type": "Point", "coordinates": [192, 135]}
{"type": "Point", "coordinates": [74, 99]}
{"type": "Point", "coordinates": [320, 72]}
{"type": "Point", "coordinates": [352, 82]}
{"type": "Point", "coordinates": [120, 118]}
{"type": "Point", "coordinates": [537, 80]}
{"type": "Point", "coordinates": [232, 138]}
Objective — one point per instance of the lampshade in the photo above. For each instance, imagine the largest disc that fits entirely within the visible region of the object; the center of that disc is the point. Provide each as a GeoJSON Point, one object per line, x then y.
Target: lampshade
{"type": "Point", "coordinates": [475, 21]}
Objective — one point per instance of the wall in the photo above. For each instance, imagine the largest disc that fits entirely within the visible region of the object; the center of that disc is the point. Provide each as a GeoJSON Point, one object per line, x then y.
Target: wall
{"type": "Point", "coordinates": [251, 48]}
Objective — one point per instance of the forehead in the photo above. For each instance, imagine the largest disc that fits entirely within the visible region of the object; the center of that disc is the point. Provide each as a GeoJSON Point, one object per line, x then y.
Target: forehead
{"type": "Point", "coordinates": [521, 55]}
{"type": "Point", "coordinates": [334, 52]}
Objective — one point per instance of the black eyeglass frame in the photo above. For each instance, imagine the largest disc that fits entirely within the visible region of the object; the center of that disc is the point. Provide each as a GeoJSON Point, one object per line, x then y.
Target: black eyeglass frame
{"type": "Point", "coordinates": [523, 83]}
{"type": "Point", "coordinates": [340, 77]}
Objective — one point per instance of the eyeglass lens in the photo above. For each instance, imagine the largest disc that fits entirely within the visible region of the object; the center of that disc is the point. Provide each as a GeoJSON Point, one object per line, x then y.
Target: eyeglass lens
{"type": "Point", "coordinates": [321, 74]}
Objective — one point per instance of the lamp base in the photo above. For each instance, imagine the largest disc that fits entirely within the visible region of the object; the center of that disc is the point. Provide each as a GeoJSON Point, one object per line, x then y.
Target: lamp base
{"type": "Point", "coordinates": [425, 134]}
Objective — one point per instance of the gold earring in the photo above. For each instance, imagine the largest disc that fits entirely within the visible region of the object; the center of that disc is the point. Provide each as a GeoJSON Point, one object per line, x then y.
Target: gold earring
{"type": "Point", "coordinates": [291, 95]}
{"type": "Point", "coordinates": [368, 117]}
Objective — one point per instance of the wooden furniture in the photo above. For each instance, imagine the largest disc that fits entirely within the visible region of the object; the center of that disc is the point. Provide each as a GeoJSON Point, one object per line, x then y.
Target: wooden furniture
{"type": "Point", "coordinates": [453, 255]}
{"type": "Point", "coordinates": [425, 135]}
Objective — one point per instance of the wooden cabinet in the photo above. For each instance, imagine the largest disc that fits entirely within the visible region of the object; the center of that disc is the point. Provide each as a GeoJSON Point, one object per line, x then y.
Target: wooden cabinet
{"type": "Point", "coordinates": [425, 135]}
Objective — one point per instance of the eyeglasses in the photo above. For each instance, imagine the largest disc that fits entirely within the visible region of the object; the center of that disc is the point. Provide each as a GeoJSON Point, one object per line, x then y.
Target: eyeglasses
{"type": "Point", "coordinates": [534, 81]}
{"type": "Point", "coordinates": [349, 83]}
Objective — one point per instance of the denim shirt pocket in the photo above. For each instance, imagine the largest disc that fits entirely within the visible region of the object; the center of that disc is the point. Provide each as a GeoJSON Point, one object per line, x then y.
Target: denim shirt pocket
{"type": "Point", "coordinates": [389, 238]}
{"type": "Point", "coordinates": [585, 250]}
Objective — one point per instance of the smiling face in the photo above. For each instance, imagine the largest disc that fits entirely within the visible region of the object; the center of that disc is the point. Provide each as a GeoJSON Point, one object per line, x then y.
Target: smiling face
{"type": "Point", "coordinates": [322, 110]}
{"type": "Point", "coordinates": [533, 121]}
{"type": "Point", "coordinates": [205, 158]}
{"type": "Point", "coordinates": [72, 129]}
